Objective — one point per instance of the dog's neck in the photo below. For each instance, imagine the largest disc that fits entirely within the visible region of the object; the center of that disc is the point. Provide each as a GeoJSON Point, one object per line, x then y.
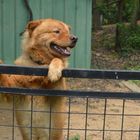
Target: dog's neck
{"type": "Point", "coordinates": [41, 56]}
{"type": "Point", "coordinates": [38, 62]}
{"type": "Point", "coordinates": [35, 58]}
{"type": "Point", "coordinates": [29, 60]}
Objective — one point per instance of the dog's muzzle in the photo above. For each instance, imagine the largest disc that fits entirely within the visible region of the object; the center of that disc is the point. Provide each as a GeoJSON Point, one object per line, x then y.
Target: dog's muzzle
{"type": "Point", "coordinates": [64, 50]}
{"type": "Point", "coordinates": [74, 40]}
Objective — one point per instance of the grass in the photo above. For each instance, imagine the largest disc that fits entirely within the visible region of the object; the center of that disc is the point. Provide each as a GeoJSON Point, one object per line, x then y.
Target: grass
{"type": "Point", "coordinates": [76, 137]}
{"type": "Point", "coordinates": [137, 82]}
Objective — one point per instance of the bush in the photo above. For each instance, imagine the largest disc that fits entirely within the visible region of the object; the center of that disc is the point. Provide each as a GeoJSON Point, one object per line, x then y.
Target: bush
{"type": "Point", "coordinates": [133, 42]}
{"type": "Point", "coordinates": [109, 12]}
{"type": "Point", "coordinates": [77, 137]}
{"type": "Point", "coordinates": [129, 38]}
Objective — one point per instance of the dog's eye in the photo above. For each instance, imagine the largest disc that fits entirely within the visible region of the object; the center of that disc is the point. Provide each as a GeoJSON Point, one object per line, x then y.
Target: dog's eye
{"type": "Point", "coordinates": [57, 31]}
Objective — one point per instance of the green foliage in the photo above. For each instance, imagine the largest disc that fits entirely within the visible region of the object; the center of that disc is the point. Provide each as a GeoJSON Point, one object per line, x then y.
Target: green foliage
{"type": "Point", "coordinates": [109, 12]}
{"type": "Point", "coordinates": [137, 82]}
{"type": "Point", "coordinates": [128, 9]}
{"type": "Point", "coordinates": [77, 137]}
{"type": "Point", "coordinates": [133, 41]}
{"type": "Point", "coordinates": [134, 68]}
{"type": "Point", "coordinates": [130, 38]}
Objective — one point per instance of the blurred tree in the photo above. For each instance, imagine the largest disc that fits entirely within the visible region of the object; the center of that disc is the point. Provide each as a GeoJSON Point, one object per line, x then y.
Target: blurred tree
{"type": "Point", "coordinates": [120, 7]}
{"type": "Point", "coordinates": [134, 18]}
{"type": "Point", "coordinates": [97, 19]}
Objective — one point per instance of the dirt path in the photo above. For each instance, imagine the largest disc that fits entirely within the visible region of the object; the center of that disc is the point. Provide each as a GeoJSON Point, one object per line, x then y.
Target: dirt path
{"type": "Point", "coordinates": [114, 111]}
{"type": "Point", "coordinates": [95, 117]}
{"type": "Point", "coordinates": [95, 120]}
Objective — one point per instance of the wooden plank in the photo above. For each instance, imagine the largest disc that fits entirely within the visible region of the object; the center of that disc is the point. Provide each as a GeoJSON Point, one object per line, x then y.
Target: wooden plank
{"type": "Point", "coordinates": [20, 21]}
{"type": "Point", "coordinates": [8, 31]}
{"type": "Point", "coordinates": [46, 9]}
{"type": "Point", "coordinates": [35, 6]}
{"type": "Point", "coordinates": [58, 9]}
{"type": "Point", "coordinates": [1, 28]}
{"type": "Point", "coordinates": [70, 19]}
{"type": "Point", "coordinates": [88, 33]}
{"type": "Point", "coordinates": [81, 33]}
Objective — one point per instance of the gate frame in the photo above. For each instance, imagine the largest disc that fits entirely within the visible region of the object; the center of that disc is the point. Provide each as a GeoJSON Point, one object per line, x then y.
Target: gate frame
{"type": "Point", "coordinates": [76, 73]}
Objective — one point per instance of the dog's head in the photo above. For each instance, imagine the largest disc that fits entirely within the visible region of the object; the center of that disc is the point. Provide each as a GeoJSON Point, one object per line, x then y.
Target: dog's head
{"type": "Point", "coordinates": [53, 35]}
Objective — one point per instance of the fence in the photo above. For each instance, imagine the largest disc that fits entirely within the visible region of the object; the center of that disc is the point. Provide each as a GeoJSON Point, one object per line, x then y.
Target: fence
{"type": "Point", "coordinates": [91, 115]}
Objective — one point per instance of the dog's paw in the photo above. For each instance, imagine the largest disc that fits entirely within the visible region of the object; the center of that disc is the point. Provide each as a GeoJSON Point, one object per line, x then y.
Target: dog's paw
{"type": "Point", "coordinates": [1, 62]}
{"type": "Point", "coordinates": [55, 70]}
{"type": "Point", "coordinates": [54, 74]}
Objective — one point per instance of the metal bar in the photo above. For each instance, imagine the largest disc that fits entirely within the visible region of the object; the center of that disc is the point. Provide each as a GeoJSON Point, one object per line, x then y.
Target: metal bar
{"type": "Point", "coordinates": [13, 121]}
{"type": "Point", "coordinates": [26, 2]}
{"type": "Point", "coordinates": [122, 123]}
{"type": "Point", "coordinates": [105, 107]}
{"type": "Point", "coordinates": [31, 118]}
{"type": "Point", "coordinates": [70, 93]}
{"type": "Point", "coordinates": [50, 122]}
{"type": "Point", "coordinates": [75, 73]}
{"type": "Point", "coordinates": [139, 133]}
{"type": "Point", "coordinates": [20, 70]}
{"type": "Point", "coordinates": [86, 119]}
{"type": "Point", "coordinates": [29, 10]}
{"type": "Point", "coordinates": [102, 74]}
{"type": "Point", "coordinates": [107, 130]}
{"type": "Point", "coordinates": [69, 112]}
{"type": "Point", "coordinates": [42, 111]}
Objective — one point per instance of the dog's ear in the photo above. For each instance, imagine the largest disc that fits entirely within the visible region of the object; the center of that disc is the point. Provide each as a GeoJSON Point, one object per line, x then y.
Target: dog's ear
{"type": "Point", "coordinates": [69, 27]}
{"type": "Point", "coordinates": [32, 25]}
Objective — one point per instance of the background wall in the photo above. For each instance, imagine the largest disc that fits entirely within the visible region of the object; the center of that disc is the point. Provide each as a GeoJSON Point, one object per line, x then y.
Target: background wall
{"type": "Point", "coordinates": [14, 16]}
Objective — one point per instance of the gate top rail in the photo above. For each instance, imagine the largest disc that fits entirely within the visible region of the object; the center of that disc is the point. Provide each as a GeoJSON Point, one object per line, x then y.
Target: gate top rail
{"type": "Point", "coordinates": [73, 73]}
{"type": "Point", "coordinates": [71, 93]}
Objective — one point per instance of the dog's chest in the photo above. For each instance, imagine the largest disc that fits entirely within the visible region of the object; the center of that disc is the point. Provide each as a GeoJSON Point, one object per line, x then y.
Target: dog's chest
{"type": "Point", "coordinates": [41, 108]}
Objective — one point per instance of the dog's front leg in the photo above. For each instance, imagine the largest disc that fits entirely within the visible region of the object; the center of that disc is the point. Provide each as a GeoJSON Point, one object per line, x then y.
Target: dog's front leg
{"type": "Point", "coordinates": [55, 69]}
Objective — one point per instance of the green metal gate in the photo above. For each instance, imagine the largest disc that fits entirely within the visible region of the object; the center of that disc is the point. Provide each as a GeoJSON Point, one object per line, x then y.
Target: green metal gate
{"type": "Point", "coordinates": [13, 18]}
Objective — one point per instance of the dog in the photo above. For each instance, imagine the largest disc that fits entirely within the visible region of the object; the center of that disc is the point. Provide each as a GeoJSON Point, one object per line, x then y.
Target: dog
{"type": "Point", "coordinates": [46, 42]}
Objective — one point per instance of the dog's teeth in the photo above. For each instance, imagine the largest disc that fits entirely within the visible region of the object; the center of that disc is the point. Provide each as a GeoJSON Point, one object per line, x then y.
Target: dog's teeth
{"type": "Point", "coordinates": [55, 47]}
{"type": "Point", "coordinates": [68, 48]}
{"type": "Point", "coordinates": [65, 51]}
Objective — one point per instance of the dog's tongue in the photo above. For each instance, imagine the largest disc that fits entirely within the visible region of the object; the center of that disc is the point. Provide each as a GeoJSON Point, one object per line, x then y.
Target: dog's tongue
{"type": "Point", "coordinates": [64, 51]}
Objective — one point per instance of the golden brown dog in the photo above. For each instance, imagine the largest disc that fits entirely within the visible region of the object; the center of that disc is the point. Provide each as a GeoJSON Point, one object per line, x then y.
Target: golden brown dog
{"type": "Point", "coordinates": [46, 42]}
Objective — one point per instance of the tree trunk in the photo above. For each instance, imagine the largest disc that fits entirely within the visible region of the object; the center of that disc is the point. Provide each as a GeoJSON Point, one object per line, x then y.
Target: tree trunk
{"type": "Point", "coordinates": [96, 16]}
{"type": "Point", "coordinates": [120, 7]}
{"type": "Point", "coordinates": [134, 17]}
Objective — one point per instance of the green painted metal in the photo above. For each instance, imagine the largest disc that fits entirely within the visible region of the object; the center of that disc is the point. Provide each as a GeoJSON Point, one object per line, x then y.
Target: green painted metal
{"type": "Point", "coordinates": [76, 13]}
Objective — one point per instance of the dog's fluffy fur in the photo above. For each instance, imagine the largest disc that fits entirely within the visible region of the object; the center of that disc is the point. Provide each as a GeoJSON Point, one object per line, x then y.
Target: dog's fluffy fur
{"type": "Point", "coordinates": [46, 42]}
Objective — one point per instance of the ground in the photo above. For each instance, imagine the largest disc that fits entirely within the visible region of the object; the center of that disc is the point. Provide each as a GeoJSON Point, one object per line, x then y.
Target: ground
{"type": "Point", "coordinates": [95, 120]}
{"type": "Point", "coordinates": [102, 58]}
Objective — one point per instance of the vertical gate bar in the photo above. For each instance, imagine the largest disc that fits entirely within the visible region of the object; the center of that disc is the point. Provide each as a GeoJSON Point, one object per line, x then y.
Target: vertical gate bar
{"type": "Point", "coordinates": [69, 109]}
{"type": "Point", "coordinates": [13, 126]}
{"type": "Point", "coordinates": [86, 119]}
{"type": "Point", "coordinates": [50, 122]}
{"type": "Point", "coordinates": [31, 117]}
{"type": "Point", "coordinates": [139, 133]}
{"type": "Point", "coordinates": [105, 107]}
{"type": "Point", "coordinates": [122, 123]}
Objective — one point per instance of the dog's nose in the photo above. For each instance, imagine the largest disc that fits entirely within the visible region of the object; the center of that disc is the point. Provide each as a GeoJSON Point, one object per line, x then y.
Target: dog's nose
{"type": "Point", "coordinates": [73, 38]}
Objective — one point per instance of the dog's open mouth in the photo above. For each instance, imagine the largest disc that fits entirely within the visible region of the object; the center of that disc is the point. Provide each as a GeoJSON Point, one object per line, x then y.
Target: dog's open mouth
{"type": "Point", "coordinates": [66, 51]}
